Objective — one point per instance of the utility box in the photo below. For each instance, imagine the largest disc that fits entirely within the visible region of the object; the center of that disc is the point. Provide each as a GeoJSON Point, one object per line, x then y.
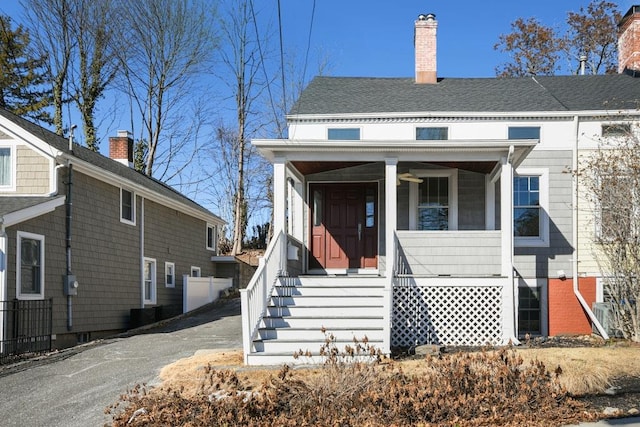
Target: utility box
{"type": "Point", "coordinates": [70, 285]}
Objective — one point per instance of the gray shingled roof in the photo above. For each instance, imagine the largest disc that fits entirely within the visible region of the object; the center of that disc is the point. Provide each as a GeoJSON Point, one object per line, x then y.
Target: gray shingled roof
{"type": "Point", "coordinates": [14, 204]}
{"type": "Point", "coordinates": [354, 95]}
{"type": "Point", "coordinates": [104, 163]}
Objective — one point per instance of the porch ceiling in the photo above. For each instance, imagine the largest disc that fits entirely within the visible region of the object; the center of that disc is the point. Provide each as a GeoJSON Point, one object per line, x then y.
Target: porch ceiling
{"type": "Point", "coordinates": [479, 167]}
{"type": "Point", "coordinates": [307, 168]}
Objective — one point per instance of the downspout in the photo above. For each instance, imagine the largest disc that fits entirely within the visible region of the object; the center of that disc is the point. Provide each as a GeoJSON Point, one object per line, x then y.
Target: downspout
{"type": "Point", "coordinates": [514, 285]}
{"type": "Point", "coordinates": [3, 281]}
{"type": "Point", "coordinates": [574, 266]}
{"type": "Point", "coordinates": [69, 205]}
{"type": "Point", "coordinates": [141, 250]}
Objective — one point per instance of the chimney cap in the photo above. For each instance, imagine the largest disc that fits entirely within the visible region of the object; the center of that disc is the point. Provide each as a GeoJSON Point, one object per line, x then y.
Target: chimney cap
{"type": "Point", "coordinates": [125, 133]}
{"type": "Point", "coordinates": [427, 17]}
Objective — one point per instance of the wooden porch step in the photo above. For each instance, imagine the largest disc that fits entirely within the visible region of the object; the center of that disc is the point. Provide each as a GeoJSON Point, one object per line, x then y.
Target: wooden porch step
{"type": "Point", "coordinates": [303, 334]}
{"type": "Point", "coordinates": [328, 322]}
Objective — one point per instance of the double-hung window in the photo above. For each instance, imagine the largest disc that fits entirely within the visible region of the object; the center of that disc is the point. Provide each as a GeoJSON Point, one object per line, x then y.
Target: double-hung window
{"type": "Point", "coordinates": [7, 168]}
{"type": "Point", "coordinates": [619, 208]}
{"type": "Point", "coordinates": [530, 207]}
{"type": "Point", "coordinates": [434, 201]}
{"type": "Point", "coordinates": [127, 206]}
{"type": "Point", "coordinates": [170, 274]}
{"type": "Point", "coordinates": [211, 237]}
{"type": "Point", "coordinates": [149, 281]}
{"type": "Point", "coordinates": [30, 266]}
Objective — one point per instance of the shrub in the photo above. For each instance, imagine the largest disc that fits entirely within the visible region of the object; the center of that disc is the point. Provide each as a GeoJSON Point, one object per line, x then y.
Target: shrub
{"type": "Point", "coordinates": [352, 387]}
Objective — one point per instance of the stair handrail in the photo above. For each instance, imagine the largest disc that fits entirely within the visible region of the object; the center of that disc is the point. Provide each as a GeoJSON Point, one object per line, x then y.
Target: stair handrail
{"type": "Point", "coordinates": [255, 298]}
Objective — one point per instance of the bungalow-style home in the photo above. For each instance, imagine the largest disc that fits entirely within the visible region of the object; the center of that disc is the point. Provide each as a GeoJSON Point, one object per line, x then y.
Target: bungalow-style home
{"type": "Point", "coordinates": [87, 242]}
{"type": "Point", "coordinates": [432, 210]}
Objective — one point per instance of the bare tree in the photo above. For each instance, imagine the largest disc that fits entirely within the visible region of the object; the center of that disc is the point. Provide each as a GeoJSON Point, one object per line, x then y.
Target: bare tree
{"type": "Point", "coordinates": [163, 48]}
{"type": "Point", "coordinates": [536, 49]}
{"type": "Point", "coordinates": [93, 27]}
{"type": "Point", "coordinates": [611, 176]}
{"type": "Point", "coordinates": [593, 33]}
{"type": "Point", "coordinates": [533, 48]}
{"type": "Point", "coordinates": [50, 23]}
{"type": "Point", "coordinates": [243, 58]}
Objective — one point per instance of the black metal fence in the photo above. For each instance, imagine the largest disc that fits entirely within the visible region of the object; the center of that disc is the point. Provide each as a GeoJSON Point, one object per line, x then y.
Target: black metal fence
{"type": "Point", "coordinates": [26, 327]}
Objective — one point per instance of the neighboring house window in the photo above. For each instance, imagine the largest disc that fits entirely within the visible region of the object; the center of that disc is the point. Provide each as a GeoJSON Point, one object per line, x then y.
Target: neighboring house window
{"type": "Point", "coordinates": [30, 266]}
{"type": "Point", "coordinates": [618, 210]}
{"type": "Point", "coordinates": [530, 207]}
{"type": "Point", "coordinates": [617, 129]}
{"type": "Point", "coordinates": [350, 134]}
{"type": "Point", "coordinates": [212, 237]}
{"type": "Point", "coordinates": [170, 274]}
{"type": "Point", "coordinates": [6, 167]}
{"type": "Point", "coordinates": [432, 133]}
{"type": "Point", "coordinates": [127, 206]}
{"type": "Point", "coordinates": [434, 201]}
{"type": "Point", "coordinates": [529, 316]}
{"type": "Point", "coordinates": [149, 281]}
{"type": "Point", "coordinates": [524, 132]}
{"type": "Point", "coordinates": [195, 271]}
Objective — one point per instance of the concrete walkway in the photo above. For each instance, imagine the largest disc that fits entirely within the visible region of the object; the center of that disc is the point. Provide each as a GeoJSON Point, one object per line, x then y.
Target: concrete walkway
{"type": "Point", "coordinates": [73, 387]}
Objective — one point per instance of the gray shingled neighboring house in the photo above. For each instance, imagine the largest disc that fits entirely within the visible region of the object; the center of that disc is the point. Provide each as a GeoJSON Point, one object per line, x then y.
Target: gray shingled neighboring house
{"type": "Point", "coordinates": [435, 210]}
{"type": "Point", "coordinates": [89, 235]}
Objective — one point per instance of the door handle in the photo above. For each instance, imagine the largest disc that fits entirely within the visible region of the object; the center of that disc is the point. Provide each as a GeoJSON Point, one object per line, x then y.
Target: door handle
{"type": "Point", "coordinates": [359, 231]}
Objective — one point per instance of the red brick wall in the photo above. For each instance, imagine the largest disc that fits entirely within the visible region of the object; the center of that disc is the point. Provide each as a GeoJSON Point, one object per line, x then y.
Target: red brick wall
{"type": "Point", "coordinates": [629, 44]}
{"type": "Point", "coordinates": [566, 315]}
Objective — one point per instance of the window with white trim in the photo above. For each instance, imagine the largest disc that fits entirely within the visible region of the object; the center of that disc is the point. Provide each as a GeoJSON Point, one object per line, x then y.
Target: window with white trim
{"type": "Point", "coordinates": [149, 281]}
{"type": "Point", "coordinates": [169, 275]}
{"type": "Point", "coordinates": [212, 237]}
{"type": "Point", "coordinates": [127, 206]}
{"type": "Point", "coordinates": [618, 213]}
{"type": "Point", "coordinates": [29, 266]}
{"type": "Point", "coordinates": [432, 133]}
{"type": "Point", "coordinates": [343, 134]}
{"type": "Point", "coordinates": [7, 167]}
{"type": "Point", "coordinates": [530, 207]}
{"type": "Point", "coordinates": [524, 132]}
{"type": "Point", "coordinates": [434, 201]}
{"type": "Point", "coordinates": [195, 271]}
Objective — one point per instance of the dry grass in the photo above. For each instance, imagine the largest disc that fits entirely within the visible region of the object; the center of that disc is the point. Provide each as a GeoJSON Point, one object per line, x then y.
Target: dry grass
{"type": "Point", "coordinates": [585, 370]}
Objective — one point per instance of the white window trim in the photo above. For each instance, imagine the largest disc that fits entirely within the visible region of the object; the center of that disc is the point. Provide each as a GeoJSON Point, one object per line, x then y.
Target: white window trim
{"type": "Point", "coordinates": [154, 281]}
{"type": "Point", "coordinates": [543, 239]}
{"type": "Point", "coordinates": [19, 295]}
{"type": "Point", "coordinates": [194, 268]}
{"type": "Point", "coordinates": [13, 155]}
{"type": "Point", "coordinates": [214, 237]}
{"type": "Point", "coordinates": [133, 207]}
{"type": "Point", "coordinates": [171, 265]}
{"type": "Point", "coordinates": [452, 174]}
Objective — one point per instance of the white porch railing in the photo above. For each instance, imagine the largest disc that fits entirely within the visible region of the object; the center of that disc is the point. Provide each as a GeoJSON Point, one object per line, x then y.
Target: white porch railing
{"type": "Point", "coordinates": [255, 298]}
{"type": "Point", "coordinates": [199, 291]}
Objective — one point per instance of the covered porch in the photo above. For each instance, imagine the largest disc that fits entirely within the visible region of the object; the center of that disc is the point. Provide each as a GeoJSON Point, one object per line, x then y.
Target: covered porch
{"type": "Point", "coordinates": [432, 220]}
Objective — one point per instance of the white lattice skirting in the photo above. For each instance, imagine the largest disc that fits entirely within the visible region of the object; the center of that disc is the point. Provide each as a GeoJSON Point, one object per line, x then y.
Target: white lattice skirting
{"type": "Point", "coordinates": [446, 315]}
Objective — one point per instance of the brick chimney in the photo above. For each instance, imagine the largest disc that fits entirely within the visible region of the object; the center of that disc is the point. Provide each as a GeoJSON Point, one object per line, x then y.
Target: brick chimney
{"type": "Point", "coordinates": [425, 48]}
{"type": "Point", "coordinates": [121, 148]}
{"type": "Point", "coordinates": [629, 42]}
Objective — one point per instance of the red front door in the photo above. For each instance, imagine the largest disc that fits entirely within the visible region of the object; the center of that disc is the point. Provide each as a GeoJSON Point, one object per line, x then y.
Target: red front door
{"type": "Point", "coordinates": [344, 226]}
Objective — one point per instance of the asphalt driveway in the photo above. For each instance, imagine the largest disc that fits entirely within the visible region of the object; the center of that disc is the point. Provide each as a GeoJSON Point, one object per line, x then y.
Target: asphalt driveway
{"type": "Point", "coordinates": [73, 387]}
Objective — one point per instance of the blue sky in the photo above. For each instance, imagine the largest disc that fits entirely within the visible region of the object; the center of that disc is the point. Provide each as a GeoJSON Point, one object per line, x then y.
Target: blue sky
{"type": "Point", "coordinates": [375, 37]}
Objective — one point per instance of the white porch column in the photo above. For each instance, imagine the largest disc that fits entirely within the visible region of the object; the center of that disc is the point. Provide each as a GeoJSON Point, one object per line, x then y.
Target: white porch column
{"type": "Point", "coordinates": [506, 225]}
{"type": "Point", "coordinates": [279, 195]}
{"type": "Point", "coordinates": [390, 211]}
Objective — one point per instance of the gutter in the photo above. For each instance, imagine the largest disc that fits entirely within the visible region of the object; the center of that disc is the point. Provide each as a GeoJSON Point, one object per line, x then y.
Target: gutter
{"type": "Point", "coordinates": [574, 266]}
